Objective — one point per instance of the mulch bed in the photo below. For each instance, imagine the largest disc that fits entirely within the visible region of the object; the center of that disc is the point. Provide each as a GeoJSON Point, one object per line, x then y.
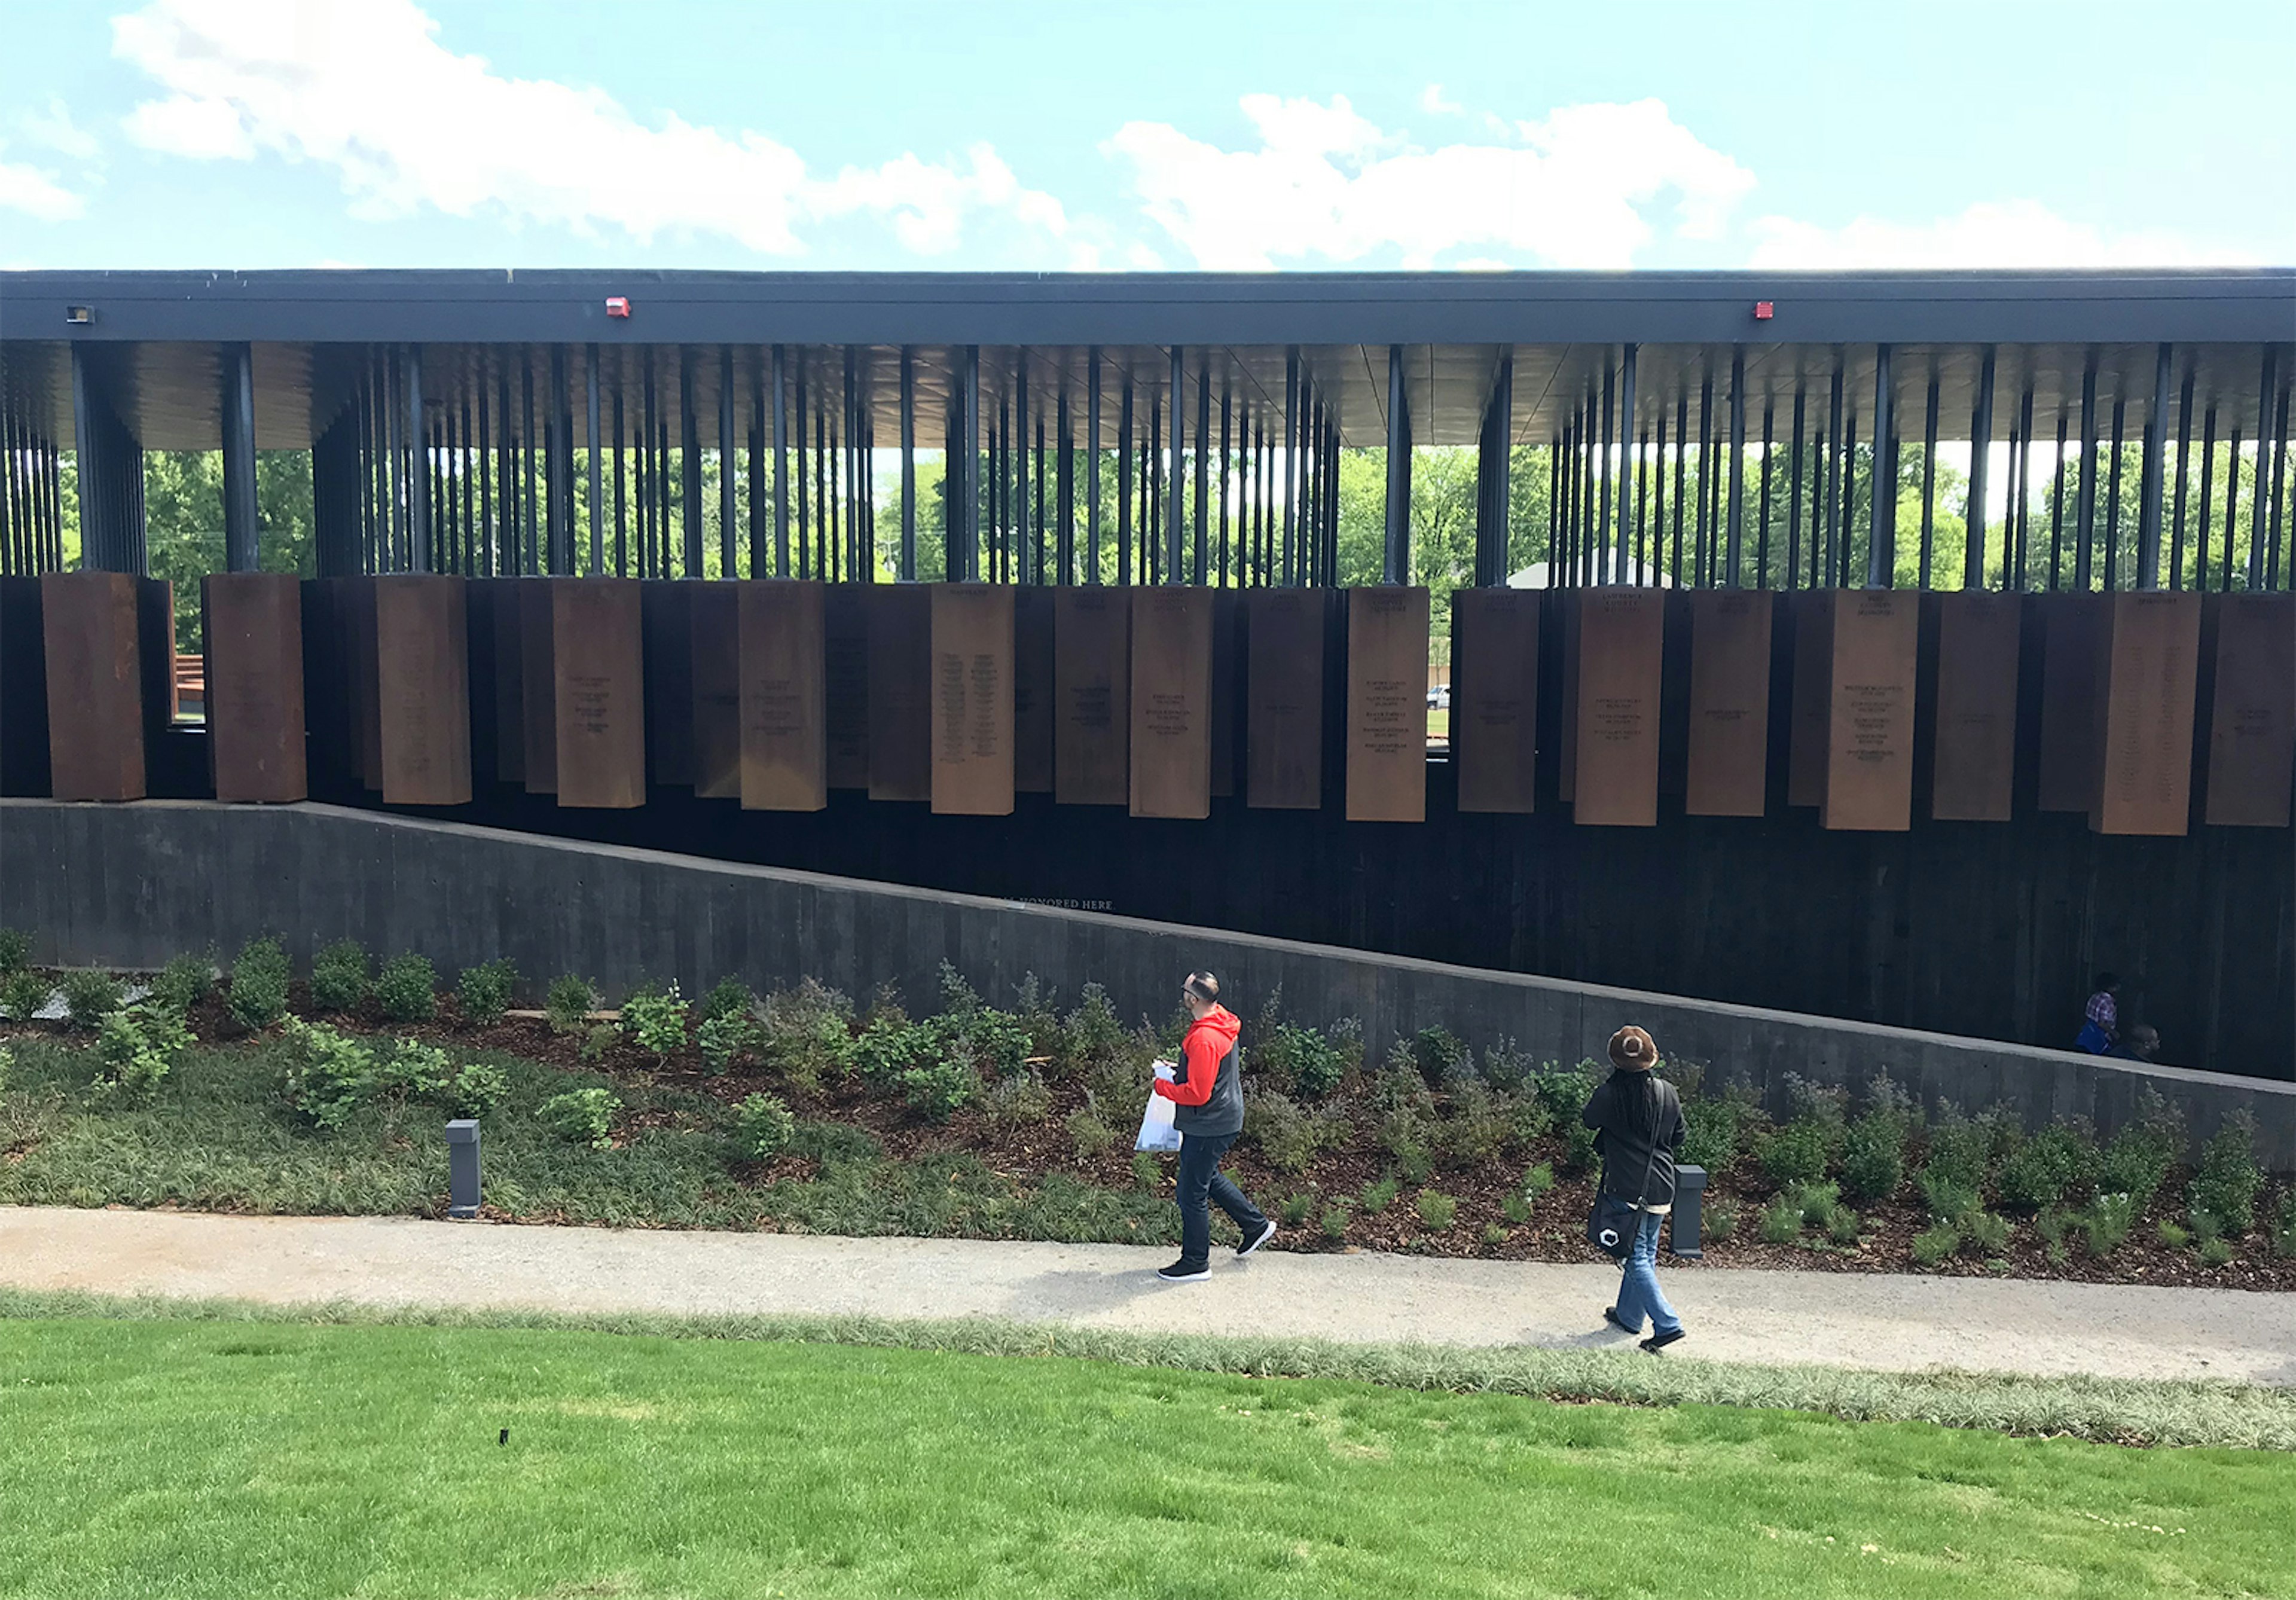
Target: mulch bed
{"type": "Point", "coordinates": [1029, 1153]}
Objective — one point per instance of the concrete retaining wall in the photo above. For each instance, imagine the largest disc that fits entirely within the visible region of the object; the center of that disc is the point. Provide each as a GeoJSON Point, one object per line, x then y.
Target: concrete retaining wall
{"type": "Point", "coordinates": [132, 885]}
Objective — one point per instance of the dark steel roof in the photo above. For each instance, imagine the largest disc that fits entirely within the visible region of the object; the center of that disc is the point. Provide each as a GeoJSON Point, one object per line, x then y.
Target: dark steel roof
{"type": "Point", "coordinates": [158, 330]}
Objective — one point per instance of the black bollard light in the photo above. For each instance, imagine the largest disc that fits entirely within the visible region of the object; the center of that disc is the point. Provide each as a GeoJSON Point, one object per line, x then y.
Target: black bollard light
{"type": "Point", "coordinates": [462, 1168]}
{"type": "Point", "coordinates": [1689, 1189]}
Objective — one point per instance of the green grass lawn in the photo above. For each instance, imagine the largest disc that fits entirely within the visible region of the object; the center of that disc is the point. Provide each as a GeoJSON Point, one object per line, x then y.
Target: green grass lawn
{"type": "Point", "coordinates": [165, 1458]}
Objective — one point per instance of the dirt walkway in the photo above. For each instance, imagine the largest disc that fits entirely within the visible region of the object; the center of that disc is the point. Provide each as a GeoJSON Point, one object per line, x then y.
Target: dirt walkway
{"type": "Point", "coordinates": [1845, 1319]}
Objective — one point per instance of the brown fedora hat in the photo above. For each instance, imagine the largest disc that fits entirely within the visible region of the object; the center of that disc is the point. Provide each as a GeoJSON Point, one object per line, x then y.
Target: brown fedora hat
{"type": "Point", "coordinates": [1632, 1051]}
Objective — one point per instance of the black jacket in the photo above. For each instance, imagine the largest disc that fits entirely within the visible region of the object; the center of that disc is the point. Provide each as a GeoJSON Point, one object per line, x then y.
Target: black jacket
{"type": "Point", "coordinates": [1611, 1112]}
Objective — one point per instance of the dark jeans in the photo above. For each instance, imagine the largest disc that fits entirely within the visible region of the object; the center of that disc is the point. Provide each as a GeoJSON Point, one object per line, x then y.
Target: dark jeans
{"type": "Point", "coordinates": [1201, 1180]}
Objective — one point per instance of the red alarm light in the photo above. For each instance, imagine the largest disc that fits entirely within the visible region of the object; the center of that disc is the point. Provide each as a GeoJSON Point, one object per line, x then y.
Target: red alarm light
{"type": "Point", "coordinates": [618, 305]}
{"type": "Point", "coordinates": [1763, 311]}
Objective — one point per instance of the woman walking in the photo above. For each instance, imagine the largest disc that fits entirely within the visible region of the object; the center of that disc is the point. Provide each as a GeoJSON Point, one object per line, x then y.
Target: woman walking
{"type": "Point", "coordinates": [1637, 1121]}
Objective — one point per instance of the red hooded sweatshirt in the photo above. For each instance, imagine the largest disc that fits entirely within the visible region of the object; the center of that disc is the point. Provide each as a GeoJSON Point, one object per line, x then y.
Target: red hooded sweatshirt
{"type": "Point", "coordinates": [1210, 1039]}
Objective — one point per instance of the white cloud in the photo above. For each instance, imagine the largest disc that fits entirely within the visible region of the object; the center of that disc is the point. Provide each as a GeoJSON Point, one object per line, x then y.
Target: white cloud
{"type": "Point", "coordinates": [36, 193]}
{"type": "Point", "coordinates": [363, 87]}
{"type": "Point", "coordinates": [1989, 234]}
{"type": "Point", "coordinates": [51, 127]}
{"type": "Point", "coordinates": [1577, 188]}
{"type": "Point", "coordinates": [1432, 100]}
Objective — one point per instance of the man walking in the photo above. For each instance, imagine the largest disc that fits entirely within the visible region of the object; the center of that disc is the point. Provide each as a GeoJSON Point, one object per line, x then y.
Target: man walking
{"type": "Point", "coordinates": [1207, 1095]}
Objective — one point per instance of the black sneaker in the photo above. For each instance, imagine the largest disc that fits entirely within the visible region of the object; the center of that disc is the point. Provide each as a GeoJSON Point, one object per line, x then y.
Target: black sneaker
{"type": "Point", "coordinates": [1266, 1232]}
{"type": "Point", "coordinates": [1610, 1315]}
{"type": "Point", "coordinates": [1180, 1272]}
{"type": "Point", "coordinates": [1659, 1341]}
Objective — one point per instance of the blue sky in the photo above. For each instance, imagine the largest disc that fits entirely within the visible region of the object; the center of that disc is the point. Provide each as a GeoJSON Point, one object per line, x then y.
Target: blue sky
{"type": "Point", "coordinates": [388, 132]}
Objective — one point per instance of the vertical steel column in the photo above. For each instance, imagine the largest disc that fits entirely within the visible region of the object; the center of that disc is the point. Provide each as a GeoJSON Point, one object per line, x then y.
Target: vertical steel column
{"type": "Point", "coordinates": [2279, 482]}
{"type": "Point", "coordinates": [1629, 475]}
{"type": "Point", "coordinates": [729, 520]}
{"type": "Point", "coordinates": [1174, 514]}
{"type": "Point", "coordinates": [908, 563]}
{"type": "Point", "coordinates": [1290, 450]}
{"type": "Point", "coordinates": [2259, 492]}
{"type": "Point", "coordinates": [1037, 550]}
{"type": "Point", "coordinates": [2232, 506]}
{"type": "Point", "coordinates": [2208, 467]}
{"type": "Point", "coordinates": [2112, 497]}
{"type": "Point", "coordinates": [418, 501]}
{"type": "Point", "coordinates": [1681, 461]}
{"type": "Point", "coordinates": [2184, 461]}
{"type": "Point", "coordinates": [761, 514]}
{"type": "Point", "coordinates": [1980, 467]}
{"type": "Point", "coordinates": [1092, 463]}
{"type": "Point", "coordinates": [1396, 559]}
{"type": "Point", "coordinates": [1227, 469]}
{"type": "Point", "coordinates": [597, 466]}
{"type": "Point", "coordinates": [1067, 448]}
{"type": "Point", "coordinates": [1737, 461]}
{"type": "Point", "coordinates": [1503, 488]}
{"type": "Point", "coordinates": [1016, 463]}
{"type": "Point", "coordinates": [489, 512]}
{"type": "Point", "coordinates": [778, 378]}
{"type": "Point", "coordinates": [1762, 537]}
{"type": "Point", "coordinates": [2150, 483]}
{"type": "Point", "coordinates": [530, 495]}
{"type": "Point", "coordinates": [621, 490]}
{"type": "Point", "coordinates": [1124, 479]}
{"type": "Point", "coordinates": [1709, 481]}
{"type": "Point", "coordinates": [689, 474]}
{"type": "Point", "coordinates": [1881, 515]}
{"type": "Point", "coordinates": [240, 530]}
{"type": "Point", "coordinates": [1203, 468]}
{"type": "Point", "coordinates": [1600, 550]}
{"type": "Point", "coordinates": [2085, 504]}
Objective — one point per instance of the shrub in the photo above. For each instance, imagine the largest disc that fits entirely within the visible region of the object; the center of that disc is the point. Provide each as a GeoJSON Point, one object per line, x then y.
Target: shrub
{"type": "Point", "coordinates": [2104, 1224]}
{"type": "Point", "coordinates": [938, 1089]}
{"type": "Point", "coordinates": [808, 1035]}
{"type": "Point", "coordinates": [1335, 1221]}
{"type": "Point", "coordinates": [1960, 1151]}
{"type": "Point", "coordinates": [1147, 1177]}
{"type": "Point", "coordinates": [1093, 1034]}
{"type": "Point", "coordinates": [1476, 1128]}
{"type": "Point", "coordinates": [836, 1144]}
{"type": "Point", "coordinates": [1506, 1068]}
{"type": "Point", "coordinates": [2283, 1225]}
{"type": "Point", "coordinates": [340, 977]}
{"type": "Point", "coordinates": [2229, 1180]}
{"type": "Point", "coordinates": [1379, 1195]}
{"type": "Point", "coordinates": [1516, 1208]}
{"type": "Point", "coordinates": [1493, 1233]}
{"type": "Point", "coordinates": [137, 1046]}
{"type": "Point", "coordinates": [1715, 1127]}
{"type": "Point", "coordinates": [1563, 1091]}
{"type": "Point", "coordinates": [258, 985]}
{"type": "Point", "coordinates": [417, 1069]}
{"type": "Point", "coordinates": [728, 998]}
{"type": "Point", "coordinates": [1295, 1210]}
{"type": "Point", "coordinates": [90, 995]}
{"type": "Point", "coordinates": [2137, 1159]}
{"type": "Point", "coordinates": [1874, 1144]}
{"type": "Point", "coordinates": [1841, 1225]}
{"type": "Point", "coordinates": [763, 1126]}
{"type": "Point", "coordinates": [476, 1088]}
{"type": "Point", "coordinates": [1089, 1135]}
{"type": "Point", "coordinates": [1437, 1211]}
{"type": "Point", "coordinates": [484, 992]}
{"type": "Point", "coordinates": [329, 1075]}
{"type": "Point", "coordinates": [1781, 1222]}
{"type": "Point", "coordinates": [1987, 1233]}
{"type": "Point", "coordinates": [998, 1041]}
{"type": "Point", "coordinates": [726, 1039]}
{"type": "Point", "coordinates": [2205, 1225]}
{"type": "Point", "coordinates": [407, 989]}
{"type": "Point", "coordinates": [1797, 1154]}
{"type": "Point", "coordinates": [1306, 1063]}
{"type": "Point", "coordinates": [15, 951]}
{"type": "Point", "coordinates": [1934, 1245]}
{"type": "Point", "coordinates": [568, 1002]}
{"type": "Point", "coordinates": [1414, 1164]}
{"type": "Point", "coordinates": [597, 1039]}
{"type": "Point", "coordinates": [1947, 1200]}
{"type": "Point", "coordinates": [2215, 1252]}
{"type": "Point", "coordinates": [2050, 1165]}
{"type": "Point", "coordinates": [1538, 1181]}
{"type": "Point", "coordinates": [1814, 1201]}
{"type": "Point", "coordinates": [183, 983]}
{"type": "Point", "coordinates": [7, 1065]}
{"type": "Point", "coordinates": [2173, 1235]}
{"type": "Point", "coordinates": [1720, 1222]}
{"type": "Point", "coordinates": [582, 1117]}
{"type": "Point", "coordinates": [1441, 1059]}
{"type": "Point", "coordinates": [654, 1019]}
{"type": "Point", "coordinates": [22, 993]}
{"type": "Point", "coordinates": [1020, 1101]}
{"type": "Point", "coordinates": [1288, 1135]}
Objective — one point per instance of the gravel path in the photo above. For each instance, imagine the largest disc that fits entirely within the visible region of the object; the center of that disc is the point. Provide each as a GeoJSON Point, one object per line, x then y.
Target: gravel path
{"type": "Point", "coordinates": [1844, 1319]}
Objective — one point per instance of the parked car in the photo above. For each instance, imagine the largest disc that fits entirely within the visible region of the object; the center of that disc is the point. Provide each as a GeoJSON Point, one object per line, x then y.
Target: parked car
{"type": "Point", "coordinates": [1438, 698]}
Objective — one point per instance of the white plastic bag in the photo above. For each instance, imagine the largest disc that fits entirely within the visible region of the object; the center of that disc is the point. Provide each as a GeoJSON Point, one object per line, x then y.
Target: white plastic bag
{"type": "Point", "coordinates": [1157, 1131]}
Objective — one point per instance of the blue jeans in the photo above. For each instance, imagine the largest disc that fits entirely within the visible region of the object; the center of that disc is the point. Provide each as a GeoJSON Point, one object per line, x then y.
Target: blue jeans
{"type": "Point", "coordinates": [1638, 1290]}
{"type": "Point", "coordinates": [1201, 1181]}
